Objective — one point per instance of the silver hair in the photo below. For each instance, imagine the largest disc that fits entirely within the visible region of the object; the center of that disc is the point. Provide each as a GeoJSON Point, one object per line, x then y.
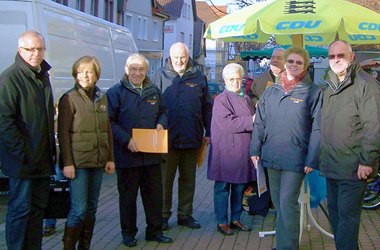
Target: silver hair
{"type": "Point", "coordinates": [278, 49]}
{"type": "Point", "coordinates": [136, 56]}
{"type": "Point", "coordinates": [176, 44]}
{"type": "Point", "coordinates": [344, 42]}
{"type": "Point", "coordinates": [232, 68]}
{"type": "Point", "coordinates": [21, 39]}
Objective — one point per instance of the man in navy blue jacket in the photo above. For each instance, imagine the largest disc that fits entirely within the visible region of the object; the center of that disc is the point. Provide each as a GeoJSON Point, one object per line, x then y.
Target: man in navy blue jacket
{"type": "Point", "coordinates": [136, 103]}
{"type": "Point", "coordinates": [185, 91]}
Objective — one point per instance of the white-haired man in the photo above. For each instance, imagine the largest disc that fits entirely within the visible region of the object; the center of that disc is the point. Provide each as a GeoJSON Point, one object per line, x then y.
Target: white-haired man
{"type": "Point", "coordinates": [186, 93]}
{"type": "Point", "coordinates": [136, 103]}
{"type": "Point", "coordinates": [27, 145]}
{"type": "Point", "coordinates": [350, 141]}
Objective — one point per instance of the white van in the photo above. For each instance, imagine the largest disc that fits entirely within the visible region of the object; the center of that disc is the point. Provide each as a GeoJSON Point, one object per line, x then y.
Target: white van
{"type": "Point", "coordinates": [69, 34]}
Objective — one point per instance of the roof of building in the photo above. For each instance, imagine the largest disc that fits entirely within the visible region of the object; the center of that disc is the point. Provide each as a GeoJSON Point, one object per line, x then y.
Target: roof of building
{"type": "Point", "coordinates": [158, 10]}
{"type": "Point", "coordinates": [209, 13]}
{"type": "Point", "coordinates": [172, 7]}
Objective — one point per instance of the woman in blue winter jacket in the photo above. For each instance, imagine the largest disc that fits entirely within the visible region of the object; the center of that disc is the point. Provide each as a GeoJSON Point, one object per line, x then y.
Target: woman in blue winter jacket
{"type": "Point", "coordinates": [285, 139]}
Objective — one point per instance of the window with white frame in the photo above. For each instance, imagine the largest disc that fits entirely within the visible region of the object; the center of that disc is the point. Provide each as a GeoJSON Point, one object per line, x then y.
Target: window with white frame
{"type": "Point", "coordinates": [181, 37]}
{"type": "Point", "coordinates": [140, 28]}
{"type": "Point", "coordinates": [145, 29]}
{"type": "Point", "coordinates": [155, 31]}
{"type": "Point", "coordinates": [94, 7]}
{"type": "Point", "coordinates": [129, 23]}
{"type": "Point", "coordinates": [189, 12]}
{"type": "Point", "coordinates": [64, 2]}
{"type": "Point", "coordinates": [80, 5]}
{"type": "Point", "coordinates": [190, 45]}
{"type": "Point", "coordinates": [108, 10]}
{"type": "Point", "coordinates": [184, 10]}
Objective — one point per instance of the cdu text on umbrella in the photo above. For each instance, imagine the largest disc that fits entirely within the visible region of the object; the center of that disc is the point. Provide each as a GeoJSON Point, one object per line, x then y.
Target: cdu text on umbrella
{"type": "Point", "coordinates": [369, 26]}
{"type": "Point", "coordinates": [310, 24]}
{"type": "Point", "coordinates": [230, 28]}
{"type": "Point", "coordinates": [361, 37]}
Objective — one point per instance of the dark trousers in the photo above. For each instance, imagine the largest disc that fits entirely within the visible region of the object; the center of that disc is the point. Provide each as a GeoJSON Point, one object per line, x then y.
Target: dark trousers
{"type": "Point", "coordinates": [285, 189]}
{"type": "Point", "coordinates": [27, 199]}
{"type": "Point", "coordinates": [148, 179]}
{"type": "Point", "coordinates": [344, 202]}
{"type": "Point", "coordinates": [186, 161]}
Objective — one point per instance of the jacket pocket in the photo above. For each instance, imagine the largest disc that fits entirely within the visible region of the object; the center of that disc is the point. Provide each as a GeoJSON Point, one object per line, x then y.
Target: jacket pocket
{"type": "Point", "coordinates": [227, 146]}
{"type": "Point", "coordinates": [299, 143]}
{"type": "Point", "coordinates": [82, 146]}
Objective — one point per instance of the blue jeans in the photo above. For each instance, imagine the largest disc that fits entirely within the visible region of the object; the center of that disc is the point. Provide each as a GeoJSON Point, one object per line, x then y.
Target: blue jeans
{"type": "Point", "coordinates": [344, 202]}
{"type": "Point", "coordinates": [84, 194]}
{"type": "Point", "coordinates": [221, 194]}
{"type": "Point", "coordinates": [285, 188]}
{"type": "Point", "coordinates": [27, 199]}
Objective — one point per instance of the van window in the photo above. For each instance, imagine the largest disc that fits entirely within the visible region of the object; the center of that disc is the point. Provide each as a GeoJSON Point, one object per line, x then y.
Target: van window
{"type": "Point", "coordinates": [12, 25]}
{"type": "Point", "coordinates": [123, 46]}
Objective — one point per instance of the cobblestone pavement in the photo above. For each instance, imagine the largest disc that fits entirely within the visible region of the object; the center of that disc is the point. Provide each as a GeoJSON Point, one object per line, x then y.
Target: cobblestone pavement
{"type": "Point", "coordinates": [107, 230]}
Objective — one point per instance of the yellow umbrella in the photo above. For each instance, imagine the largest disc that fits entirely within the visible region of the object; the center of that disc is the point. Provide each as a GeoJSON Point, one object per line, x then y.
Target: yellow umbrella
{"type": "Point", "coordinates": [302, 22]}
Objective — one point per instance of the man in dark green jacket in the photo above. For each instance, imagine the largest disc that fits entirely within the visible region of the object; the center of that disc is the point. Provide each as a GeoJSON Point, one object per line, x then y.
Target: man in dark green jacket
{"type": "Point", "coordinates": [350, 141]}
{"type": "Point", "coordinates": [27, 146]}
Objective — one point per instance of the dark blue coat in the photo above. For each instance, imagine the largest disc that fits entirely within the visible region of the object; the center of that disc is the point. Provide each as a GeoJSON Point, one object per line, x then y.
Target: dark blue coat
{"type": "Point", "coordinates": [286, 132]}
{"type": "Point", "coordinates": [127, 109]}
{"type": "Point", "coordinates": [231, 129]}
{"type": "Point", "coordinates": [189, 103]}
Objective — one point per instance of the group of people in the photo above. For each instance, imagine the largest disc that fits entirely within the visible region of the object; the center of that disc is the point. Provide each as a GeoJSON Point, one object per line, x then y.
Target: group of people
{"type": "Point", "coordinates": [297, 127]}
{"type": "Point", "coordinates": [286, 123]}
{"type": "Point", "coordinates": [95, 136]}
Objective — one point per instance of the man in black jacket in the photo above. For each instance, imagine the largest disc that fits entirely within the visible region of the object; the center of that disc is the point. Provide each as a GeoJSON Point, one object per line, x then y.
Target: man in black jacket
{"type": "Point", "coordinates": [136, 103]}
{"type": "Point", "coordinates": [185, 91]}
{"type": "Point", "coordinates": [350, 141]}
{"type": "Point", "coordinates": [27, 145]}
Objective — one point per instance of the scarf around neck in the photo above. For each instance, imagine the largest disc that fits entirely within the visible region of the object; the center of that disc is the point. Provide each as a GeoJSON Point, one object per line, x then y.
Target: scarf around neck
{"type": "Point", "coordinates": [287, 84]}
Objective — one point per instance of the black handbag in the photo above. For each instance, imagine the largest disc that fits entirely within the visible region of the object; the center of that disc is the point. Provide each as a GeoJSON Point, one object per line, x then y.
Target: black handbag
{"type": "Point", "coordinates": [59, 200]}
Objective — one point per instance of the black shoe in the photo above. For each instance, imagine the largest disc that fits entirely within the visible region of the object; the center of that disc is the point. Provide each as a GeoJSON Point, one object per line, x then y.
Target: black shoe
{"type": "Point", "coordinates": [129, 241]}
{"type": "Point", "coordinates": [160, 239]}
{"type": "Point", "coordinates": [165, 223]}
{"type": "Point", "coordinates": [189, 222]}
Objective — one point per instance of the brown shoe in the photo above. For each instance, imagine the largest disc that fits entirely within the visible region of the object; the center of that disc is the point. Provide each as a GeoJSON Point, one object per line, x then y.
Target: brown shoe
{"type": "Point", "coordinates": [224, 229]}
{"type": "Point", "coordinates": [237, 225]}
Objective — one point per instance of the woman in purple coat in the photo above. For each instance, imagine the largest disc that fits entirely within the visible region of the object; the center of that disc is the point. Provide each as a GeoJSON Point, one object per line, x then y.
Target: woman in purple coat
{"type": "Point", "coordinates": [229, 162]}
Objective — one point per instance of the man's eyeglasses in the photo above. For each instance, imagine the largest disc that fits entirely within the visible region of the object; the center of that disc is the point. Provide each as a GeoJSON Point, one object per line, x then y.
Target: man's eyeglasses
{"type": "Point", "coordinates": [34, 49]}
{"type": "Point", "coordinates": [339, 56]}
{"type": "Point", "coordinates": [291, 61]}
{"type": "Point", "coordinates": [134, 70]}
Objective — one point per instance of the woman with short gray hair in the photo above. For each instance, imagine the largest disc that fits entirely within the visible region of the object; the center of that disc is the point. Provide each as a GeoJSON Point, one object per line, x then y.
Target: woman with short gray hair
{"type": "Point", "coordinates": [229, 163]}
